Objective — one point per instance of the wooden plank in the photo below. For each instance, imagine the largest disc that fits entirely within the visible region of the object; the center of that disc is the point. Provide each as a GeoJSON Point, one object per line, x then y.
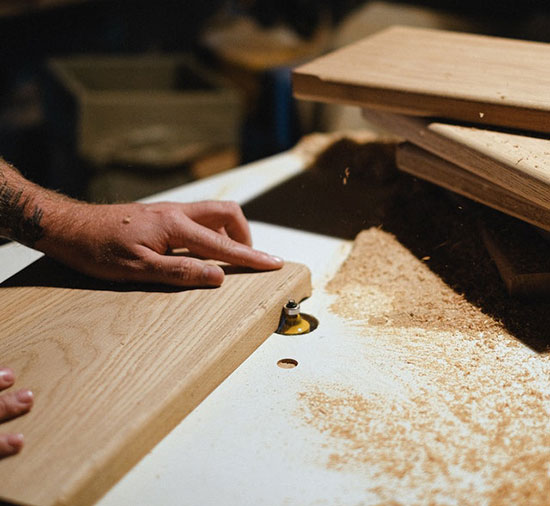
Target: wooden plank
{"type": "Point", "coordinates": [427, 72]}
{"type": "Point", "coordinates": [521, 255]}
{"type": "Point", "coordinates": [522, 258]}
{"type": "Point", "coordinates": [427, 166]}
{"type": "Point", "coordinates": [114, 368]}
{"type": "Point", "coordinates": [518, 163]}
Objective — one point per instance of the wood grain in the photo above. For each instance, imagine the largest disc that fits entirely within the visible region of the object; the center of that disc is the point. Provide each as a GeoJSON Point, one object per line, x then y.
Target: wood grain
{"type": "Point", "coordinates": [114, 368]}
{"type": "Point", "coordinates": [474, 78]}
{"type": "Point", "coordinates": [420, 163]}
{"type": "Point", "coordinates": [518, 163]}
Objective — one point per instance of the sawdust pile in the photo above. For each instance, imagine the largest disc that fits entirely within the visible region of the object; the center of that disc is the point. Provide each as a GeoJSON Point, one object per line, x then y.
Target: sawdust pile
{"type": "Point", "coordinates": [458, 409]}
{"type": "Point", "coordinates": [401, 291]}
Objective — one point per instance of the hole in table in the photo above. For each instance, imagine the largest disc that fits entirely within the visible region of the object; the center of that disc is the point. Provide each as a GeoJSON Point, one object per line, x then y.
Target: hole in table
{"type": "Point", "coordinates": [287, 363]}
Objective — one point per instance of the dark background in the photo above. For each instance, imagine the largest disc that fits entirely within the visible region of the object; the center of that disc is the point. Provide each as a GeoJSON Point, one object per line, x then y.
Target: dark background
{"type": "Point", "coordinates": [30, 35]}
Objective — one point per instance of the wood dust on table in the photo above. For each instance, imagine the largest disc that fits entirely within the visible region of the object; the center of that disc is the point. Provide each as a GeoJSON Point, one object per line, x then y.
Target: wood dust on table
{"type": "Point", "coordinates": [459, 412]}
{"type": "Point", "coordinates": [450, 401]}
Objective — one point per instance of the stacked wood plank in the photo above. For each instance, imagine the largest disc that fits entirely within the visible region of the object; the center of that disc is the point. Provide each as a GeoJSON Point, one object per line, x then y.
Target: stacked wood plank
{"type": "Point", "coordinates": [474, 110]}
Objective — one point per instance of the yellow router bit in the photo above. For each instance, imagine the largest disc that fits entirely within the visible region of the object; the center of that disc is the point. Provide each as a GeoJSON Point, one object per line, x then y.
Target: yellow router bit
{"type": "Point", "coordinates": [293, 323]}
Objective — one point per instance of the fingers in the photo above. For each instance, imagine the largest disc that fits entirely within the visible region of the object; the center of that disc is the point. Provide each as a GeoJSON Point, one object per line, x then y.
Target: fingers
{"type": "Point", "coordinates": [15, 404]}
{"type": "Point", "coordinates": [199, 232]}
{"type": "Point", "coordinates": [12, 404]}
{"type": "Point", "coordinates": [10, 444]}
{"type": "Point", "coordinates": [7, 378]}
{"type": "Point", "coordinates": [209, 244]}
{"type": "Point", "coordinates": [180, 271]}
{"type": "Point", "coordinates": [221, 215]}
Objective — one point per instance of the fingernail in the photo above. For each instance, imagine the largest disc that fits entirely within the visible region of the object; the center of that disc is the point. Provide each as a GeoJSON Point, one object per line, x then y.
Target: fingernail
{"type": "Point", "coordinates": [24, 396]}
{"type": "Point", "coordinates": [212, 275]}
{"type": "Point", "coordinates": [277, 261]}
{"type": "Point", "coordinates": [15, 441]}
{"type": "Point", "coordinates": [6, 376]}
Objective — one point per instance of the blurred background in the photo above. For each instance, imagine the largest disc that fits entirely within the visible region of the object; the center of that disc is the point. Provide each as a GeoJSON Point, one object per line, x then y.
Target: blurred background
{"type": "Point", "coordinates": [113, 100]}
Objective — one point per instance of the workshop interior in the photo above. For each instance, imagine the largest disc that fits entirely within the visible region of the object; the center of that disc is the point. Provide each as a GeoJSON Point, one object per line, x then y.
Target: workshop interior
{"type": "Point", "coordinates": [395, 153]}
{"type": "Point", "coordinates": [243, 51]}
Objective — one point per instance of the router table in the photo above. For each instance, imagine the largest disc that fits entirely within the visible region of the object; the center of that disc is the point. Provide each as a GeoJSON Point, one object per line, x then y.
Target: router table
{"type": "Point", "coordinates": [272, 435]}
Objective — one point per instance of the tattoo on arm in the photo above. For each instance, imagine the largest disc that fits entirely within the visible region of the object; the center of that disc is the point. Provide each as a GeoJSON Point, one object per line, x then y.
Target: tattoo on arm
{"type": "Point", "coordinates": [17, 220]}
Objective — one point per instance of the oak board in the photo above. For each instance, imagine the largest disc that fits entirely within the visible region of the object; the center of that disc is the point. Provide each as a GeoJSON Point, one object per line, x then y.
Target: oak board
{"type": "Point", "coordinates": [425, 165]}
{"type": "Point", "coordinates": [426, 72]}
{"type": "Point", "coordinates": [517, 163]}
{"type": "Point", "coordinates": [114, 367]}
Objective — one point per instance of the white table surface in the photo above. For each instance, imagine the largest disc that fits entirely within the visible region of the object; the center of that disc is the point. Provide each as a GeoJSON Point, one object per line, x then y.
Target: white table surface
{"type": "Point", "coordinates": [247, 443]}
{"type": "Point", "coordinates": [321, 433]}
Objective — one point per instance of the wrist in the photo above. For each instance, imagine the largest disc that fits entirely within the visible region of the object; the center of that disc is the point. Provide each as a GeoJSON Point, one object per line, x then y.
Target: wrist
{"type": "Point", "coordinates": [30, 214]}
{"type": "Point", "coordinates": [60, 216]}
{"type": "Point", "coordinates": [20, 215]}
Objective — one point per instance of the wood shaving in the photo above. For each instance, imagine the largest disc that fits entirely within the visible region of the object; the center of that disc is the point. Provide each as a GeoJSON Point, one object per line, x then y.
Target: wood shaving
{"type": "Point", "coordinates": [456, 409]}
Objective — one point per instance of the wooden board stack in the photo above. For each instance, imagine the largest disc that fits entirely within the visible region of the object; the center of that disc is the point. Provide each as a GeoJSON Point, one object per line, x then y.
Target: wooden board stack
{"type": "Point", "coordinates": [474, 110]}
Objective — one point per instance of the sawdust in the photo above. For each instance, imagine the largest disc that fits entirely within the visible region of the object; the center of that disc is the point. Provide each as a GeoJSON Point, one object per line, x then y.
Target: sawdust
{"type": "Point", "coordinates": [454, 406]}
{"type": "Point", "coordinates": [441, 230]}
{"type": "Point", "coordinates": [456, 411]}
{"type": "Point", "coordinates": [429, 450]}
{"type": "Point", "coordinates": [401, 291]}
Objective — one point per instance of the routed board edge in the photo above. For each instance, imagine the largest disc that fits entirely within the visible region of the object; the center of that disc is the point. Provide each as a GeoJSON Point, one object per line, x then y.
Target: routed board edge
{"type": "Point", "coordinates": [310, 87]}
{"type": "Point", "coordinates": [111, 465]}
{"type": "Point", "coordinates": [356, 75]}
{"type": "Point", "coordinates": [420, 132]}
{"type": "Point", "coordinates": [182, 403]}
{"type": "Point", "coordinates": [425, 165]}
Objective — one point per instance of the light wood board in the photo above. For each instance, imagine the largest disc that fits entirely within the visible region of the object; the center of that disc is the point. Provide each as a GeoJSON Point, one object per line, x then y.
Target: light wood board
{"type": "Point", "coordinates": [425, 165]}
{"type": "Point", "coordinates": [115, 368]}
{"type": "Point", "coordinates": [427, 72]}
{"type": "Point", "coordinates": [518, 163]}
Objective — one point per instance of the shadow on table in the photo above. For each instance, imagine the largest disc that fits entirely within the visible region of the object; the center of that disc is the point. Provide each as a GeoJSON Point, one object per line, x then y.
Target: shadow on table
{"type": "Point", "coordinates": [46, 272]}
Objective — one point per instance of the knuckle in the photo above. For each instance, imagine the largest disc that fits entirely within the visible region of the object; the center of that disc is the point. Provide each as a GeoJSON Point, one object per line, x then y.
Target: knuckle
{"type": "Point", "coordinates": [227, 209]}
{"type": "Point", "coordinates": [184, 271]}
{"type": "Point", "coordinates": [222, 243]}
{"type": "Point", "coordinates": [165, 214]}
{"type": "Point", "coordinates": [171, 216]}
{"type": "Point", "coordinates": [233, 207]}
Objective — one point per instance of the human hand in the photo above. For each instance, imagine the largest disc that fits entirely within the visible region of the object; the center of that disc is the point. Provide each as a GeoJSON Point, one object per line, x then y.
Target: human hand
{"type": "Point", "coordinates": [12, 405]}
{"type": "Point", "coordinates": [132, 242]}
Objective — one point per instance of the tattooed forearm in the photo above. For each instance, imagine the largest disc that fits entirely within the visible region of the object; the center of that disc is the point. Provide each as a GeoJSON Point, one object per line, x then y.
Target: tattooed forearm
{"type": "Point", "coordinates": [19, 219]}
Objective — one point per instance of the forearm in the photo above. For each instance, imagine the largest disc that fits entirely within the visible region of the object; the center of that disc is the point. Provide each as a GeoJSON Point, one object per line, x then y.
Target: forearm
{"type": "Point", "coordinates": [128, 242]}
{"type": "Point", "coordinates": [26, 209]}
